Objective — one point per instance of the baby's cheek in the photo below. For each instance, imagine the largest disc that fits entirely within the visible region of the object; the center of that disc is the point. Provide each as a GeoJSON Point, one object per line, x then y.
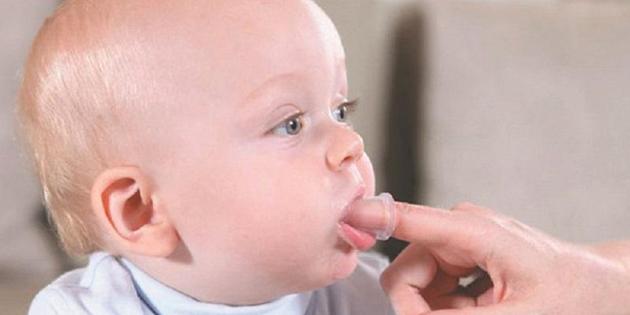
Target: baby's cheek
{"type": "Point", "coordinates": [367, 172]}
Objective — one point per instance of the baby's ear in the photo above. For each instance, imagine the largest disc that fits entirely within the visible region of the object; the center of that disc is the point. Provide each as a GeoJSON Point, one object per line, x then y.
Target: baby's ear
{"type": "Point", "coordinates": [124, 204]}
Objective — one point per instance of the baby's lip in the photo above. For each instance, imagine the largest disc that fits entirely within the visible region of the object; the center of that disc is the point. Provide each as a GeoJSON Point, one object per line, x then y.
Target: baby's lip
{"type": "Point", "coordinates": [358, 195]}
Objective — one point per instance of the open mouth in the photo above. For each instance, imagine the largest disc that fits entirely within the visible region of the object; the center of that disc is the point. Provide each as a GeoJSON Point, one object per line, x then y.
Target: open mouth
{"type": "Point", "coordinates": [356, 238]}
{"type": "Point", "coordinates": [366, 220]}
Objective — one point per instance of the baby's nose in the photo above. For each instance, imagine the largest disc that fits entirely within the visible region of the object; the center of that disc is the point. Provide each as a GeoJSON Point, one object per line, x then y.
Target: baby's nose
{"type": "Point", "coordinates": [376, 215]}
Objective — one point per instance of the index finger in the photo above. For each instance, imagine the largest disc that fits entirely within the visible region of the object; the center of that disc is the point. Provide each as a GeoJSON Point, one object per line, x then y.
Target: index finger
{"type": "Point", "coordinates": [437, 229]}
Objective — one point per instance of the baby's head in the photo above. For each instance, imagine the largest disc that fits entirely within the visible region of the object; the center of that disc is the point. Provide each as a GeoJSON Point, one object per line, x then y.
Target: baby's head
{"type": "Point", "coordinates": [206, 141]}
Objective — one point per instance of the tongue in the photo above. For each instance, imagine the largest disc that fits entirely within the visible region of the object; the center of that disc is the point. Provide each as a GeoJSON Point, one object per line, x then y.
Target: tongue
{"type": "Point", "coordinates": [359, 239]}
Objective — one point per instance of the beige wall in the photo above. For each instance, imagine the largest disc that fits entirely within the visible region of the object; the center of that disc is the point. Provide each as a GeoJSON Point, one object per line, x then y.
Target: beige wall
{"type": "Point", "coordinates": [527, 111]}
{"type": "Point", "coordinates": [19, 194]}
{"type": "Point", "coordinates": [26, 261]}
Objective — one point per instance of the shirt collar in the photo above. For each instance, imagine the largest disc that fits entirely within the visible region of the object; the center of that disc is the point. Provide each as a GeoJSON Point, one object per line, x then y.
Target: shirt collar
{"type": "Point", "coordinates": [165, 300]}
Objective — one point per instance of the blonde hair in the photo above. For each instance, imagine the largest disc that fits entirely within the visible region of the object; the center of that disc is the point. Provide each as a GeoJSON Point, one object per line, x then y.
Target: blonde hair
{"type": "Point", "coordinates": [75, 87]}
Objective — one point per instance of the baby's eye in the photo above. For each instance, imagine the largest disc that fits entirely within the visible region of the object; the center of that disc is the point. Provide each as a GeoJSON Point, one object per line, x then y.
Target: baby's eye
{"type": "Point", "coordinates": [341, 112]}
{"type": "Point", "coordinates": [290, 127]}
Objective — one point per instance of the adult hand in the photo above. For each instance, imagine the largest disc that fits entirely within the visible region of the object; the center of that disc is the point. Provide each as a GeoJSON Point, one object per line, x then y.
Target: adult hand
{"type": "Point", "coordinates": [530, 272]}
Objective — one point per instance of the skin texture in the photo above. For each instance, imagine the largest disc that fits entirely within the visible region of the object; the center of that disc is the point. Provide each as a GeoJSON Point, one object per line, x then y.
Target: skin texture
{"type": "Point", "coordinates": [530, 272]}
{"type": "Point", "coordinates": [225, 206]}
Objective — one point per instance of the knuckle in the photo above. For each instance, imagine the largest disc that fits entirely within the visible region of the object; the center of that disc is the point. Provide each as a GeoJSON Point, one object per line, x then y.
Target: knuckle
{"type": "Point", "coordinates": [505, 222]}
{"type": "Point", "coordinates": [497, 223]}
{"type": "Point", "coordinates": [473, 209]}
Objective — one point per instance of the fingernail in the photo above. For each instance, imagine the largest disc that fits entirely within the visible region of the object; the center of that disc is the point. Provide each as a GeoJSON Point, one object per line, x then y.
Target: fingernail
{"type": "Point", "coordinates": [376, 215]}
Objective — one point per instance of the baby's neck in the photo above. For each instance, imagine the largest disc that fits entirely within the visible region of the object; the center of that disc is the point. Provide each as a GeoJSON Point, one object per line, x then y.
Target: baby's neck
{"type": "Point", "coordinates": [222, 285]}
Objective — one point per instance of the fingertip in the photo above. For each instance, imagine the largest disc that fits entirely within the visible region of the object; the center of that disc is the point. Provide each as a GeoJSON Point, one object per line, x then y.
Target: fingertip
{"type": "Point", "coordinates": [376, 215]}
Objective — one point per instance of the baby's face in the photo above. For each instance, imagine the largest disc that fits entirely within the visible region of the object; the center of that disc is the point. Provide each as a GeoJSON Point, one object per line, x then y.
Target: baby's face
{"type": "Point", "coordinates": [260, 162]}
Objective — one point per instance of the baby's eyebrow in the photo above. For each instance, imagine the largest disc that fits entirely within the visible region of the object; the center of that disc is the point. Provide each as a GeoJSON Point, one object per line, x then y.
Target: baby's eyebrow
{"type": "Point", "coordinates": [270, 81]}
{"type": "Point", "coordinates": [289, 78]}
{"type": "Point", "coordinates": [256, 106]}
{"type": "Point", "coordinates": [285, 76]}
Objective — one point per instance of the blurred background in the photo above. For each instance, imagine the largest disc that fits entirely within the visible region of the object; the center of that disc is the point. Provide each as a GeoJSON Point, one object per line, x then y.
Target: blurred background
{"type": "Point", "coordinates": [519, 105]}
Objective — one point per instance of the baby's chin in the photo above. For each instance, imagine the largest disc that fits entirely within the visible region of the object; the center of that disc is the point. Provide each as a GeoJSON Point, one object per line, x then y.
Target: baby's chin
{"type": "Point", "coordinates": [346, 261]}
{"type": "Point", "coordinates": [338, 267]}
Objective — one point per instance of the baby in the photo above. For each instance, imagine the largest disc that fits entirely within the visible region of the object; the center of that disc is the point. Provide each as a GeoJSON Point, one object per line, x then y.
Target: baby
{"type": "Point", "coordinates": [200, 151]}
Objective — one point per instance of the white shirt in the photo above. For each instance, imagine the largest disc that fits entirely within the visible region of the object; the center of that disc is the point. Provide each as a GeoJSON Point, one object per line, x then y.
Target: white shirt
{"type": "Point", "coordinates": [109, 285]}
